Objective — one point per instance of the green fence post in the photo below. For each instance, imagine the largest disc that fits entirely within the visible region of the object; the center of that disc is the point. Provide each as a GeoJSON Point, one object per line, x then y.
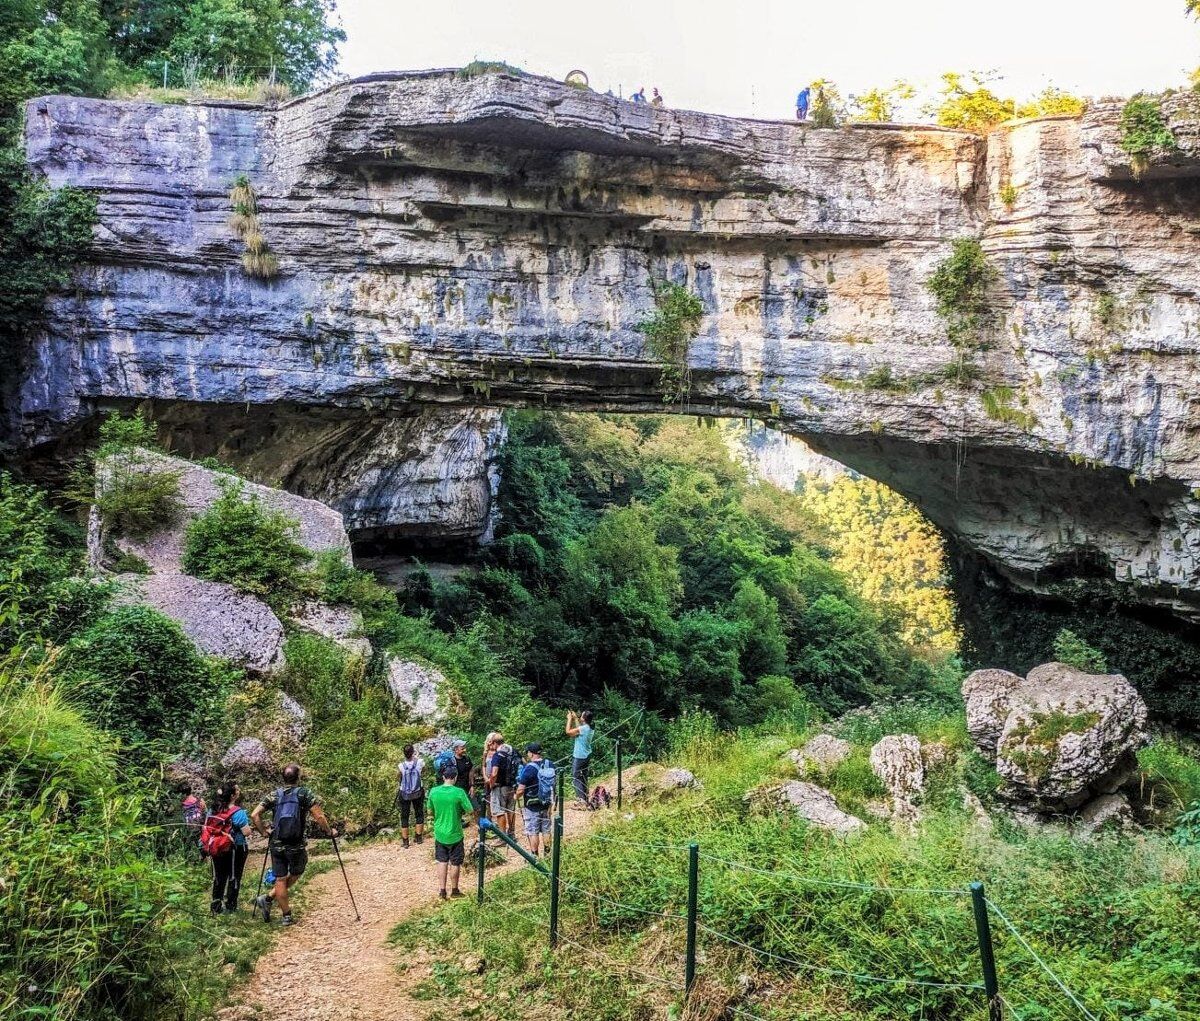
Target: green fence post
{"type": "Point", "coordinates": [562, 781]}
{"type": "Point", "coordinates": [987, 957]}
{"type": "Point", "coordinates": [689, 973]}
{"type": "Point", "coordinates": [481, 865]}
{"type": "Point", "coordinates": [555, 874]}
{"type": "Point", "coordinates": [618, 774]}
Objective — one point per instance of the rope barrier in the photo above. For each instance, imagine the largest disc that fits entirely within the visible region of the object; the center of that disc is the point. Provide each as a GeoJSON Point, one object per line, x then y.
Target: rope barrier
{"type": "Point", "coordinates": [1041, 964]}
{"type": "Point", "coordinates": [837, 883]}
{"type": "Point", "coordinates": [974, 986]}
{"type": "Point", "coordinates": [635, 843]}
{"type": "Point", "coordinates": [670, 915]}
{"type": "Point", "coordinates": [608, 733]}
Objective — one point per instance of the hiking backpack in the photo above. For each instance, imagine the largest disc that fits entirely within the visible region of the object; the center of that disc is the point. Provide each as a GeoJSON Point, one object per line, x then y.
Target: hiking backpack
{"type": "Point", "coordinates": [546, 776]}
{"type": "Point", "coordinates": [410, 781]}
{"type": "Point", "coordinates": [443, 759]}
{"type": "Point", "coordinates": [600, 799]}
{"type": "Point", "coordinates": [192, 816]}
{"type": "Point", "coordinates": [216, 837]}
{"type": "Point", "coordinates": [507, 768]}
{"type": "Point", "coordinates": [289, 816]}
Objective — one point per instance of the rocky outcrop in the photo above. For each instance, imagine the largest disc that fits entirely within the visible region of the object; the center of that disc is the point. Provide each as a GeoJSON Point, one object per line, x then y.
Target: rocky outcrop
{"type": "Point", "coordinates": [248, 755]}
{"type": "Point", "coordinates": [896, 761]}
{"type": "Point", "coordinates": [465, 243]}
{"type": "Point", "coordinates": [822, 753]}
{"type": "Point", "coordinates": [811, 803]}
{"type": "Point", "coordinates": [220, 620]}
{"type": "Point", "coordinates": [1067, 736]}
{"type": "Point", "coordinates": [418, 687]}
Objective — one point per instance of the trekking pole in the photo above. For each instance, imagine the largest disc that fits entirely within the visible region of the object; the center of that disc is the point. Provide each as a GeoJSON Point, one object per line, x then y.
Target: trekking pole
{"type": "Point", "coordinates": [262, 876]}
{"type": "Point", "coordinates": [481, 864]}
{"type": "Point", "coordinates": [357, 916]}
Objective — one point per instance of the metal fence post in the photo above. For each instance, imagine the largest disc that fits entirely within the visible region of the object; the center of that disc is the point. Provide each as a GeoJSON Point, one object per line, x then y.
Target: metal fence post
{"type": "Point", "coordinates": [619, 774]}
{"type": "Point", "coordinates": [987, 957]}
{"type": "Point", "coordinates": [555, 874]}
{"type": "Point", "coordinates": [481, 865]}
{"type": "Point", "coordinates": [562, 779]}
{"type": "Point", "coordinates": [689, 974]}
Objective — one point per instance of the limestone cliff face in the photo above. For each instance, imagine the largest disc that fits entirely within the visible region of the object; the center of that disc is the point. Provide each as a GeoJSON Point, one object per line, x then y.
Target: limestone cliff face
{"type": "Point", "coordinates": [469, 243]}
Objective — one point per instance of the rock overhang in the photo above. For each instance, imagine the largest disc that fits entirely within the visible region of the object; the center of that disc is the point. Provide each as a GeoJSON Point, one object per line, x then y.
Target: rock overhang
{"type": "Point", "coordinates": [448, 242]}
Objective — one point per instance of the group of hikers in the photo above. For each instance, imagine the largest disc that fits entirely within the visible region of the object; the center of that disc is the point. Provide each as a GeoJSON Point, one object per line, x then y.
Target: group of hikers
{"type": "Point", "coordinates": [452, 799]}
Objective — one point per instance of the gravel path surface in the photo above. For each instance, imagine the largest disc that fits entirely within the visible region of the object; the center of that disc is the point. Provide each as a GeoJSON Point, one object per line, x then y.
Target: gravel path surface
{"type": "Point", "coordinates": [329, 967]}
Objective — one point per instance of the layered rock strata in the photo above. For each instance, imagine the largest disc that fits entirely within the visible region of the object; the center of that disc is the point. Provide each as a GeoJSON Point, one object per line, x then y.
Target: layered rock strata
{"type": "Point", "coordinates": [467, 243]}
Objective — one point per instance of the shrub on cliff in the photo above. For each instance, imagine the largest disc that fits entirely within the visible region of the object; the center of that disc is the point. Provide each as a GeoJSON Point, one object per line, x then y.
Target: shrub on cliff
{"type": "Point", "coordinates": [251, 546]}
{"type": "Point", "coordinates": [135, 673]}
{"type": "Point", "coordinates": [960, 285]}
{"type": "Point", "coordinates": [669, 333]}
{"type": "Point", "coordinates": [1144, 132]}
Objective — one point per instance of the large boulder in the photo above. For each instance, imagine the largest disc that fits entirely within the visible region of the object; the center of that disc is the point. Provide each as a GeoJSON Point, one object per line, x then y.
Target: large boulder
{"type": "Point", "coordinates": [811, 803]}
{"type": "Point", "coordinates": [320, 527]}
{"type": "Point", "coordinates": [418, 688]}
{"type": "Point", "coordinates": [1066, 736]}
{"type": "Point", "coordinates": [248, 755]}
{"type": "Point", "coordinates": [896, 761]}
{"type": "Point", "coordinates": [823, 753]}
{"type": "Point", "coordinates": [219, 619]}
{"type": "Point", "coordinates": [340, 624]}
{"type": "Point", "coordinates": [988, 697]}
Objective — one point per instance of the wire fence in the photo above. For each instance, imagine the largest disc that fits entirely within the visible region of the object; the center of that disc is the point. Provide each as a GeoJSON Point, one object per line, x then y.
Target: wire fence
{"type": "Point", "coordinates": [699, 929]}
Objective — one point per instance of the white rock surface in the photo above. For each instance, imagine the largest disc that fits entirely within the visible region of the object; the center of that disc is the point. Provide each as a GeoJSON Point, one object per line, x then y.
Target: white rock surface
{"type": "Point", "coordinates": [896, 761]}
{"type": "Point", "coordinates": [219, 619]}
{"type": "Point", "coordinates": [810, 250]}
{"type": "Point", "coordinates": [418, 687]}
{"type": "Point", "coordinates": [1107, 811]}
{"type": "Point", "coordinates": [248, 755]}
{"type": "Point", "coordinates": [678, 777]}
{"type": "Point", "coordinates": [822, 752]}
{"type": "Point", "coordinates": [815, 805]}
{"type": "Point", "coordinates": [1066, 737]}
{"type": "Point", "coordinates": [340, 624]}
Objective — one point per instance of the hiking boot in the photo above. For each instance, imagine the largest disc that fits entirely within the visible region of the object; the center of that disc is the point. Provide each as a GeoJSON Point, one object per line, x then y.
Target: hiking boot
{"type": "Point", "coordinates": [457, 893]}
{"type": "Point", "coordinates": [419, 839]}
{"type": "Point", "coordinates": [287, 919]}
{"type": "Point", "coordinates": [405, 841]}
{"type": "Point", "coordinates": [263, 904]}
{"type": "Point", "coordinates": [441, 894]}
{"type": "Point", "coordinates": [214, 909]}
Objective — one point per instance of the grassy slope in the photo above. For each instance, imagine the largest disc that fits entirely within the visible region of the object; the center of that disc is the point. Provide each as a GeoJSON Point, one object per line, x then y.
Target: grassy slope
{"type": "Point", "coordinates": [1116, 917]}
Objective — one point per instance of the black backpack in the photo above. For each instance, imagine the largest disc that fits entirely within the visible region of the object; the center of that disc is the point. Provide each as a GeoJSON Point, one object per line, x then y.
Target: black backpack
{"type": "Point", "coordinates": [290, 816]}
{"type": "Point", "coordinates": [507, 768]}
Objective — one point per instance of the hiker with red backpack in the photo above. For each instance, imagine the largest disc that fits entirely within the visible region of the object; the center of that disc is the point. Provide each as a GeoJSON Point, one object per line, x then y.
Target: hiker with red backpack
{"type": "Point", "coordinates": [223, 839]}
{"type": "Point", "coordinates": [290, 806]}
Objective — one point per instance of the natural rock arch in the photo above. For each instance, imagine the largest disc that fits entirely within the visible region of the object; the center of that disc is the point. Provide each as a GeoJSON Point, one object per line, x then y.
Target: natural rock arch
{"type": "Point", "coordinates": [447, 245]}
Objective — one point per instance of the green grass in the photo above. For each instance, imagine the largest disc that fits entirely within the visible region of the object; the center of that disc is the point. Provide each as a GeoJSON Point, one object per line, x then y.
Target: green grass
{"type": "Point", "coordinates": [1115, 917]}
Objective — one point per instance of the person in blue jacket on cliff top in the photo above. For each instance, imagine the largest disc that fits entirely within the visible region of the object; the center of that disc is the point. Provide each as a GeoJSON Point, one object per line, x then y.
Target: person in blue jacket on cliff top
{"type": "Point", "coordinates": [802, 104]}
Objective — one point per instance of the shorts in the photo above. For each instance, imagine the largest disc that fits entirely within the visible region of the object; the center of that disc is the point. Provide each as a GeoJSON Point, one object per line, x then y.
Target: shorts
{"type": "Point", "coordinates": [537, 820]}
{"type": "Point", "coordinates": [448, 854]}
{"type": "Point", "coordinates": [502, 800]}
{"type": "Point", "coordinates": [288, 861]}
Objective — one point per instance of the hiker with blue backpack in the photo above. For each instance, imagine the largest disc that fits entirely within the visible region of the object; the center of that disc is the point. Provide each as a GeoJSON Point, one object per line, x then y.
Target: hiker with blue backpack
{"type": "Point", "coordinates": [410, 798]}
{"type": "Point", "coordinates": [502, 769]}
{"type": "Point", "coordinates": [223, 839]}
{"type": "Point", "coordinates": [535, 783]}
{"type": "Point", "coordinates": [290, 806]}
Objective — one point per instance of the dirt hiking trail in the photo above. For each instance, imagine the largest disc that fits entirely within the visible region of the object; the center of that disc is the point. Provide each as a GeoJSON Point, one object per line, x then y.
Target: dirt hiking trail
{"type": "Point", "coordinates": [328, 967]}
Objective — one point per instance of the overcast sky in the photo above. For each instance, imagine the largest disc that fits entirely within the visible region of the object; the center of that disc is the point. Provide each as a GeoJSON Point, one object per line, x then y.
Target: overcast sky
{"type": "Point", "coordinates": [748, 57]}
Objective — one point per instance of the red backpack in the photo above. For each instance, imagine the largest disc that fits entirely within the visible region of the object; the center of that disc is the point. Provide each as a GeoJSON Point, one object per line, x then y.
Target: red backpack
{"type": "Point", "coordinates": [217, 835]}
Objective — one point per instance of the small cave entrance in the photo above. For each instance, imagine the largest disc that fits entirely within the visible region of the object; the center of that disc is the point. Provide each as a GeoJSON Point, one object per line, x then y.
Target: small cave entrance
{"type": "Point", "coordinates": [393, 555]}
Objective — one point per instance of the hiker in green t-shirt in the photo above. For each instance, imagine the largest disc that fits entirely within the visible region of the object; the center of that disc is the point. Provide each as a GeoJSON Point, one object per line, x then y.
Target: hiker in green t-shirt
{"type": "Point", "coordinates": [447, 803]}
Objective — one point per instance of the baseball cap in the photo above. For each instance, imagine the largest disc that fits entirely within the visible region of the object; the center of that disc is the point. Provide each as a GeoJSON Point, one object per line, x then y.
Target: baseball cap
{"type": "Point", "coordinates": [534, 747]}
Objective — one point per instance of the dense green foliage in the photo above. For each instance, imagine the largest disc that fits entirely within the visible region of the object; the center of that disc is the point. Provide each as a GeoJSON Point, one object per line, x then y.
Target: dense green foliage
{"type": "Point", "coordinates": [669, 333]}
{"type": "Point", "coordinates": [960, 285]}
{"type": "Point", "coordinates": [42, 234]}
{"type": "Point", "coordinates": [253, 547]}
{"type": "Point", "coordinates": [134, 673]}
{"type": "Point", "coordinates": [1113, 916]}
{"type": "Point", "coordinates": [1144, 131]}
{"type": "Point", "coordinates": [968, 102]}
{"type": "Point", "coordinates": [637, 555]}
{"type": "Point", "coordinates": [1069, 648]}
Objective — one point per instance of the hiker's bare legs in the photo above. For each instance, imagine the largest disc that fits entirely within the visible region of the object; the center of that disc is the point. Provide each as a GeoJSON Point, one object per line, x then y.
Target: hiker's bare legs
{"type": "Point", "coordinates": [280, 893]}
{"type": "Point", "coordinates": [443, 867]}
{"type": "Point", "coordinates": [454, 871]}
